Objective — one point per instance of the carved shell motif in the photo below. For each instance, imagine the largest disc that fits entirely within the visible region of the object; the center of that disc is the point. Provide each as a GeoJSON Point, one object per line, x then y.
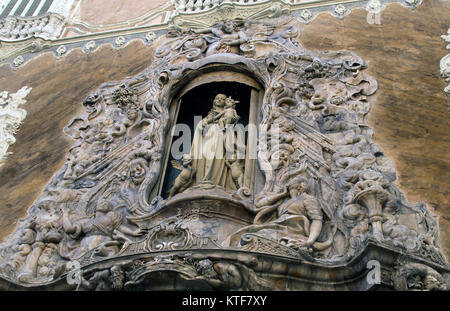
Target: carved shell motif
{"type": "Point", "coordinates": [169, 236]}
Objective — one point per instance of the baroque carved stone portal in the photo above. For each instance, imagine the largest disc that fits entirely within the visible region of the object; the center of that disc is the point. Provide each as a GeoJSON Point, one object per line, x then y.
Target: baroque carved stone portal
{"type": "Point", "coordinates": [325, 204]}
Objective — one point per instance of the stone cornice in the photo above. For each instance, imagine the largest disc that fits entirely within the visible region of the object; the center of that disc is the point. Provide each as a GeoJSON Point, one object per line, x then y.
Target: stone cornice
{"type": "Point", "coordinates": [304, 11]}
{"type": "Point", "coordinates": [339, 276]}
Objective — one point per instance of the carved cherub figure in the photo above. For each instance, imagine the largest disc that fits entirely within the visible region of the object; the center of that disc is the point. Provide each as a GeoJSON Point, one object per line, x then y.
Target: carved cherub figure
{"type": "Point", "coordinates": [20, 257]}
{"type": "Point", "coordinates": [229, 114]}
{"type": "Point", "coordinates": [47, 262]}
{"type": "Point", "coordinates": [182, 180]}
{"type": "Point", "coordinates": [107, 227]}
{"type": "Point", "coordinates": [228, 37]}
{"type": "Point", "coordinates": [399, 234]}
{"type": "Point", "coordinates": [236, 167]}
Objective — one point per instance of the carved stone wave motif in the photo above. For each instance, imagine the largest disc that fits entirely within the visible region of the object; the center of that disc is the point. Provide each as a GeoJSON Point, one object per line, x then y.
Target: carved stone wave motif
{"type": "Point", "coordinates": [328, 187]}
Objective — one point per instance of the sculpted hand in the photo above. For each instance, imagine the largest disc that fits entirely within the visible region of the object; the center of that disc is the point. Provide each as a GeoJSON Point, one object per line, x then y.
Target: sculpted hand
{"type": "Point", "coordinates": [140, 232]}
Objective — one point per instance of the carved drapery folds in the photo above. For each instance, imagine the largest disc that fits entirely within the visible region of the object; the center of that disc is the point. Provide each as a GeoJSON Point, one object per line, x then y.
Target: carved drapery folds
{"type": "Point", "coordinates": [327, 192]}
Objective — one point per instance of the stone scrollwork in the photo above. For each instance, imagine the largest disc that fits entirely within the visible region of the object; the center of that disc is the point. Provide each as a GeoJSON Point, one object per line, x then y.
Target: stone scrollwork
{"type": "Point", "coordinates": [89, 47]}
{"type": "Point", "coordinates": [19, 60]}
{"type": "Point", "coordinates": [150, 37]}
{"type": "Point", "coordinates": [306, 15]}
{"type": "Point", "coordinates": [327, 190]}
{"type": "Point", "coordinates": [11, 116]}
{"type": "Point", "coordinates": [120, 41]}
{"type": "Point", "coordinates": [340, 10]}
{"type": "Point", "coordinates": [171, 235]}
{"type": "Point", "coordinates": [61, 50]}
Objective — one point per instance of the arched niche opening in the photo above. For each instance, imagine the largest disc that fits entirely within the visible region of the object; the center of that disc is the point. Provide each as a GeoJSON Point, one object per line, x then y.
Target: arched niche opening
{"type": "Point", "coordinates": [193, 103]}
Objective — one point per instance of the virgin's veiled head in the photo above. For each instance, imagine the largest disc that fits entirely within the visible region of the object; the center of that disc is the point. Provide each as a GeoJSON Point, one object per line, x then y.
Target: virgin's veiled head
{"type": "Point", "coordinates": [219, 101]}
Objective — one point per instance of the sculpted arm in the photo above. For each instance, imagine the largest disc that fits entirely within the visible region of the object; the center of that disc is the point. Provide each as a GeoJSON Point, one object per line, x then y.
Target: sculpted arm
{"type": "Point", "coordinates": [292, 173]}
{"type": "Point", "coordinates": [218, 116]}
{"type": "Point", "coordinates": [315, 214]}
{"type": "Point", "coordinates": [315, 229]}
{"type": "Point", "coordinates": [202, 31]}
{"type": "Point", "coordinates": [271, 199]}
{"type": "Point", "coordinates": [128, 231]}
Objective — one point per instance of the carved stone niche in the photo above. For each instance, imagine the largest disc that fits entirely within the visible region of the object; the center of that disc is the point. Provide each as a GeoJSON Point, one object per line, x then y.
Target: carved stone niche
{"type": "Point", "coordinates": [313, 209]}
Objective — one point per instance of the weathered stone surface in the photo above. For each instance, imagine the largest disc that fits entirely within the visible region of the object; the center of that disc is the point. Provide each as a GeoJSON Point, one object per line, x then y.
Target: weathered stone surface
{"type": "Point", "coordinates": [327, 172]}
{"type": "Point", "coordinates": [59, 85]}
{"type": "Point", "coordinates": [115, 11]}
{"type": "Point", "coordinates": [410, 114]}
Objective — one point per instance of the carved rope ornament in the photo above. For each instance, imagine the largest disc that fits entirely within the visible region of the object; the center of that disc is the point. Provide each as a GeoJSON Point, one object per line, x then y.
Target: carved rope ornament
{"type": "Point", "coordinates": [327, 192]}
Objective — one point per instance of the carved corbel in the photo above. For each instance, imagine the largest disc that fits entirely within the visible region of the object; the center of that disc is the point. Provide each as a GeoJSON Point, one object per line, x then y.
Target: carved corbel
{"type": "Point", "coordinates": [416, 276]}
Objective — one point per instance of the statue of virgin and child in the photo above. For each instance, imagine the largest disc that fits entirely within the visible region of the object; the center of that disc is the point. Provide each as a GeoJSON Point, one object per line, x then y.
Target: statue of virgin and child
{"type": "Point", "coordinates": [217, 152]}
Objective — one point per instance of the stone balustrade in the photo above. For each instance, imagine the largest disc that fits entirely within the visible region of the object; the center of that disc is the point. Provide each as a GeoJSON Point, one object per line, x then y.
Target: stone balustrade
{"type": "Point", "coordinates": [191, 6]}
{"type": "Point", "coordinates": [48, 26]}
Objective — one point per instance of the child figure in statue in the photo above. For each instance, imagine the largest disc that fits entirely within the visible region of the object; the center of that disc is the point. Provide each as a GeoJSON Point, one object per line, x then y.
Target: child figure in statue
{"type": "Point", "coordinates": [229, 114]}
{"type": "Point", "coordinates": [182, 180]}
{"type": "Point", "coordinates": [236, 167]}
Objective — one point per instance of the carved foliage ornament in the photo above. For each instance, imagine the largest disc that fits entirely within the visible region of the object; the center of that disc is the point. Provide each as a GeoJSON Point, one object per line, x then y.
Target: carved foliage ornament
{"type": "Point", "coordinates": [328, 187]}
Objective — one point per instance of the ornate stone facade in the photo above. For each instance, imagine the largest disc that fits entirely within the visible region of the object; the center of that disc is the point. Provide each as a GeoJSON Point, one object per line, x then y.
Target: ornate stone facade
{"type": "Point", "coordinates": [29, 35]}
{"type": "Point", "coordinates": [327, 197]}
